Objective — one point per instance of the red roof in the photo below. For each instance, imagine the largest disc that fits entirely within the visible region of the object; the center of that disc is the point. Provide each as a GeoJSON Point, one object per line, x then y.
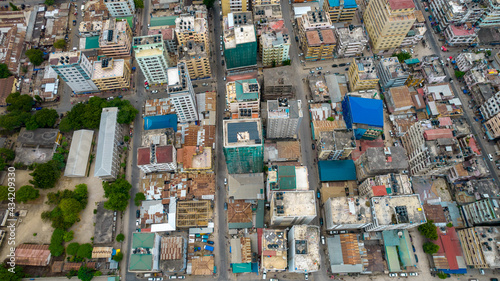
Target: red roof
{"type": "Point", "coordinates": [379, 190]}
{"type": "Point", "coordinates": [269, 253]}
{"type": "Point", "coordinates": [259, 240]}
{"type": "Point", "coordinates": [401, 4]}
{"type": "Point", "coordinates": [143, 156]}
{"type": "Point", "coordinates": [461, 31]}
{"type": "Point", "coordinates": [435, 134]}
{"type": "Point", "coordinates": [473, 146]}
{"type": "Point", "coordinates": [365, 144]}
{"type": "Point", "coordinates": [445, 121]}
{"type": "Point", "coordinates": [164, 154]}
{"type": "Point", "coordinates": [449, 245]}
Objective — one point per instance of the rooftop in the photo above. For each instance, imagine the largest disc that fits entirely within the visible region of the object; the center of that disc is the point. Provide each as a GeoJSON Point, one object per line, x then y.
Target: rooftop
{"type": "Point", "coordinates": [242, 132]}
{"type": "Point", "coordinates": [192, 50]}
{"type": "Point", "coordinates": [381, 160]}
{"type": "Point", "coordinates": [238, 29]}
{"type": "Point", "coordinates": [274, 39]}
{"type": "Point", "coordinates": [103, 230]}
{"type": "Point", "coordinates": [108, 68]}
{"type": "Point", "coordinates": [278, 76]}
{"type": "Point", "coordinates": [242, 90]}
{"type": "Point", "coordinates": [40, 136]}
{"type": "Point", "coordinates": [269, 11]}
{"type": "Point", "coordinates": [337, 87]}
{"type": "Point", "coordinates": [355, 34]}
{"type": "Point", "coordinates": [484, 234]}
{"type": "Point", "coordinates": [178, 78]}
{"type": "Point", "coordinates": [114, 32]}
{"type": "Point", "coordinates": [306, 257]}
{"type": "Point", "coordinates": [239, 212]}
{"type": "Point", "coordinates": [337, 170]}
{"type": "Point", "coordinates": [390, 184]}
{"type": "Point", "coordinates": [246, 186]}
{"type": "Point", "coordinates": [158, 107]}
{"type": "Point", "coordinates": [346, 253]}
{"type": "Point", "coordinates": [274, 249]}
{"type": "Point", "coordinates": [449, 255]}
{"type": "Point", "coordinates": [366, 69]}
{"type": "Point", "coordinates": [286, 109]}
{"type": "Point", "coordinates": [336, 140]}
{"type": "Point", "coordinates": [350, 210]}
{"type": "Point", "coordinates": [63, 58]}
{"type": "Point", "coordinates": [189, 23]}
{"type": "Point", "coordinates": [347, 4]}
{"type": "Point", "coordinates": [401, 4]}
{"type": "Point", "coordinates": [366, 111]}
{"type": "Point", "coordinates": [105, 144]}
{"type": "Point", "coordinates": [295, 203]}
{"type": "Point", "coordinates": [320, 37]}
{"type": "Point", "coordinates": [390, 210]}
{"type": "Point", "coordinates": [400, 98]}
{"type": "Point", "coordinates": [79, 153]}
{"type": "Point", "coordinates": [171, 248]}
{"type": "Point", "coordinates": [462, 31]}
{"type": "Point", "coordinates": [394, 67]}
{"type": "Point", "coordinates": [32, 255]}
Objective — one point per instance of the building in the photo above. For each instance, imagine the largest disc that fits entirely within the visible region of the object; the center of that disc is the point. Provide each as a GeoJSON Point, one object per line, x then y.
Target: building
{"type": "Point", "coordinates": [338, 170]}
{"type": "Point", "coordinates": [193, 214]}
{"type": "Point", "coordinates": [181, 93]}
{"type": "Point", "coordinates": [111, 74]}
{"type": "Point", "coordinates": [195, 57]}
{"type": "Point", "coordinates": [492, 127]}
{"type": "Point", "coordinates": [491, 107]}
{"type": "Point", "coordinates": [340, 10]}
{"type": "Point", "coordinates": [347, 253]}
{"type": "Point", "coordinates": [417, 32]}
{"type": "Point", "coordinates": [283, 118]}
{"type": "Point", "coordinates": [151, 56]}
{"type": "Point", "coordinates": [168, 35]}
{"type": "Point", "coordinates": [399, 101]}
{"type": "Point", "coordinates": [466, 61]}
{"type": "Point", "coordinates": [362, 75]}
{"type": "Point", "coordinates": [79, 152]}
{"type": "Point", "coordinates": [347, 213]}
{"type": "Point", "coordinates": [32, 255]}
{"type": "Point", "coordinates": [317, 38]}
{"type": "Point", "coordinates": [242, 98]}
{"type": "Point", "coordinates": [116, 38]}
{"type": "Point", "coordinates": [351, 41]}
{"type": "Point", "coordinates": [157, 158]}
{"type": "Point", "coordinates": [479, 246]}
{"type": "Point", "coordinates": [383, 185]}
{"type": "Point", "coordinates": [274, 47]}
{"type": "Point", "coordinates": [388, 22]}
{"type": "Point", "coordinates": [267, 15]}
{"type": "Point", "coordinates": [243, 146]}
{"type": "Point", "coordinates": [364, 116]}
{"type": "Point", "coordinates": [145, 252]}
{"type": "Point", "coordinates": [491, 15]}
{"type": "Point", "coordinates": [433, 71]}
{"type": "Point", "coordinates": [303, 243]}
{"type": "Point", "coordinates": [192, 26]}
{"type": "Point", "coordinates": [241, 254]}
{"type": "Point", "coordinates": [229, 6]}
{"type": "Point", "coordinates": [335, 145]}
{"type": "Point", "coordinates": [460, 35]}
{"type": "Point", "coordinates": [398, 250]}
{"type": "Point", "coordinates": [107, 162]}
{"type": "Point", "coordinates": [120, 8]}
{"type": "Point", "coordinates": [391, 72]}
{"type": "Point", "coordinates": [381, 160]}
{"type": "Point", "coordinates": [240, 41]}
{"type": "Point", "coordinates": [274, 250]}
{"type": "Point", "coordinates": [12, 37]}
{"type": "Point", "coordinates": [292, 207]}
{"type": "Point", "coordinates": [278, 83]}
{"type": "Point", "coordinates": [75, 69]}
{"type": "Point", "coordinates": [282, 177]}
{"type": "Point", "coordinates": [7, 87]}
{"type": "Point", "coordinates": [449, 258]}
{"type": "Point", "coordinates": [447, 13]}
{"type": "Point", "coordinates": [396, 212]}
{"type": "Point", "coordinates": [482, 212]}
{"type": "Point", "coordinates": [246, 186]}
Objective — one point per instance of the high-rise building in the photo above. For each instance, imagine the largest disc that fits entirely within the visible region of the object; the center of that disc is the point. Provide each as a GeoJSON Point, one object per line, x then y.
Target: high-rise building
{"type": "Point", "coordinates": [116, 38]}
{"type": "Point", "coordinates": [340, 10]}
{"type": "Point", "coordinates": [391, 73]}
{"type": "Point", "coordinates": [151, 57]}
{"type": "Point", "coordinates": [75, 69]}
{"type": "Point", "coordinates": [274, 46]}
{"type": "Point", "coordinates": [111, 74]}
{"type": "Point", "coordinates": [491, 15]}
{"type": "Point", "coordinates": [243, 146]}
{"type": "Point", "coordinates": [283, 118]}
{"type": "Point", "coordinates": [493, 127]}
{"type": "Point", "coordinates": [463, 35]}
{"type": "Point", "coordinates": [181, 93]}
{"type": "Point", "coordinates": [107, 162]}
{"type": "Point", "coordinates": [351, 41]}
{"type": "Point", "coordinates": [452, 12]}
{"type": "Point", "coordinates": [243, 98]}
{"type": "Point", "coordinates": [304, 245]}
{"type": "Point", "coordinates": [362, 75]}
{"type": "Point", "coordinates": [120, 8]}
{"type": "Point", "coordinates": [229, 6]}
{"type": "Point", "coordinates": [336, 145]}
{"type": "Point", "coordinates": [347, 213]}
{"type": "Point", "coordinates": [396, 212]}
{"type": "Point", "coordinates": [195, 57]}
{"type": "Point", "coordinates": [491, 106]}
{"type": "Point", "coordinates": [192, 26]}
{"type": "Point", "coordinates": [388, 22]}
{"type": "Point", "coordinates": [479, 245]}
{"type": "Point", "coordinates": [292, 207]}
{"type": "Point", "coordinates": [381, 160]}
{"type": "Point", "coordinates": [240, 41]}
{"type": "Point", "coordinates": [317, 38]}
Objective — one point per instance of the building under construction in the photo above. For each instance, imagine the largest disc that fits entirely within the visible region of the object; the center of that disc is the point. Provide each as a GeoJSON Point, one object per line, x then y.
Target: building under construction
{"type": "Point", "coordinates": [193, 213]}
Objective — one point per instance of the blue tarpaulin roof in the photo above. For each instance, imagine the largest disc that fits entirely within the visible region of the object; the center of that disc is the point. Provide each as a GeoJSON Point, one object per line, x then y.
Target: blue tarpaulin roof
{"type": "Point", "coordinates": [338, 170]}
{"type": "Point", "coordinates": [412, 61]}
{"type": "Point", "coordinates": [348, 4]}
{"type": "Point", "coordinates": [366, 111]}
{"type": "Point", "coordinates": [160, 122]}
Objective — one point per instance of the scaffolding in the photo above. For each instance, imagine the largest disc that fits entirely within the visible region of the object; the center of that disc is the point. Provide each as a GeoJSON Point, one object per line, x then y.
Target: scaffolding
{"type": "Point", "coordinates": [193, 213]}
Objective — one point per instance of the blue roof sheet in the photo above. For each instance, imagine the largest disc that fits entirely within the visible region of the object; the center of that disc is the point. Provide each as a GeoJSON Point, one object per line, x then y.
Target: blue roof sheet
{"type": "Point", "coordinates": [347, 3]}
{"type": "Point", "coordinates": [338, 170]}
{"type": "Point", "coordinates": [412, 61]}
{"type": "Point", "coordinates": [367, 111]}
{"type": "Point", "coordinates": [160, 122]}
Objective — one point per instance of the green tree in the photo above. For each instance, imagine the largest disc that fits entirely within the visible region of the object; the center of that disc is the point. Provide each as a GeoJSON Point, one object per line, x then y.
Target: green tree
{"type": "Point", "coordinates": [97, 273]}
{"type": "Point", "coordinates": [428, 230]}
{"type": "Point", "coordinates": [449, 224]}
{"type": "Point", "coordinates": [14, 7]}
{"type": "Point", "coordinates": [49, 2]}
{"type": "Point", "coordinates": [6, 275]}
{"type": "Point", "coordinates": [59, 158]}
{"type": "Point", "coordinates": [4, 192]}
{"type": "Point", "coordinates": [44, 118]}
{"type": "Point", "coordinates": [7, 154]}
{"type": "Point", "coordinates": [4, 71]}
{"type": "Point", "coordinates": [118, 194]}
{"type": "Point", "coordinates": [56, 248]}
{"type": "Point", "coordinates": [72, 248]}
{"type": "Point", "coordinates": [85, 251]}
{"type": "Point", "coordinates": [430, 248]}
{"type": "Point", "coordinates": [139, 4]}
{"type": "Point", "coordinates": [209, 3]}
{"type": "Point", "coordinates": [65, 125]}
{"type": "Point", "coordinates": [442, 275]}
{"type": "Point", "coordinates": [27, 193]}
{"type": "Point", "coordinates": [46, 175]}
{"type": "Point", "coordinates": [70, 209]}
{"type": "Point", "coordinates": [330, 118]}
{"type": "Point", "coordinates": [402, 56]}
{"type": "Point", "coordinates": [16, 101]}
{"type": "Point", "coordinates": [488, 53]}
{"type": "Point", "coordinates": [81, 194]}
{"type": "Point", "coordinates": [273, 63]}
{"type": "Point", "coordinates": [139, 197]}
{"type": "Point", "coordinates": [118, 257]}
{"type": "Point", "coordinates": [85, 273]}
{"type": "Point", "coordinates": [287, 62]}
{"type": "Point", "coordinates": [68, 236]}
{"type": "Point", "coordinates": [459, 74]}
{"type": "Point", "coordinates": [35, 56]}
{"type": "Point", "coordinates": [61, 43]}
{"type": "Point", "coordinates": [14, 119]}
{"type": "Point", "coordinates": [120, 237]}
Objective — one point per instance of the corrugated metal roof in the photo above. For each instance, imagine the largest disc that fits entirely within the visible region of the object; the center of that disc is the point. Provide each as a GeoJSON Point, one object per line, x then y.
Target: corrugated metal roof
{"type": "Point", "coordinates": [106, 142]}
{"type": "Point", "coordinates": [34, 255]}
{"type": "Point", "coordinates": [79, 151]}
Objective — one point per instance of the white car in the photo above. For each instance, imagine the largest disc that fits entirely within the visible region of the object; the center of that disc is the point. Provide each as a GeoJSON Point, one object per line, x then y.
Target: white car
{"type": "Point", "coordinates": [154, 91]}
{"type": "Point", "coordinates": [322, 239]}
{"type": "Point", "coordinates": [224, 78]}
{"type": "Point", "coordinates": [490, 157]}
{"type": "Point", "coordinates": [403, 274]}
{"type": "Point", "coordinates": [393, 275]}
{"type": "Point", "coordinates": [264, 275]}
{"type": "Point", "coordinates": [137, 223]}
{"type": "Point", "coordinates": [413, 274]}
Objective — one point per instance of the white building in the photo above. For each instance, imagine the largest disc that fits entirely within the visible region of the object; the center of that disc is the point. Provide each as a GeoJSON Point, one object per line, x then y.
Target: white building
{"type": "Point", "coordinates": [181, 93]}
{"type": "Point", "coordinates": [274, 47]}
{"type": "Point", "coordinates": [120, 8]}
{"type": "Point", "coordinates": [79, 152]}
{"type": "Point", "coordinates": [391, 73]}
{"type": "Point", "coordinates": [292, 207]}
{"type": "Point", "coordinates": [491, 107]}
{"type": "Point", "coordinates": [351, 41]}
{"type": "Point", "coordinates": [151, 56]}
{"type": "Point", "coordinates": [466, 61]}
{"type": "Point", "coordinates": [107, 162]}
{"type": "Point", "coordinates": [450, 12]}
{"type": "Point", "coordinates": [347, 213]}
{"type": "Point", "coordinates": [460, 35]}
{"type": "Point", "coordinates": [75, 69]}
{"type": "Point", "coordinates": [303, 249]}
{"type": "Point", "coordinates": [491, 16]}
{"type": "Point", "coordinates": [283, 118]}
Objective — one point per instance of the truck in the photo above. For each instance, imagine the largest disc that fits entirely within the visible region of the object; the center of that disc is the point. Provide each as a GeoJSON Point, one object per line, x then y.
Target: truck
{"type": "Point", "coordinates": [208, 248]}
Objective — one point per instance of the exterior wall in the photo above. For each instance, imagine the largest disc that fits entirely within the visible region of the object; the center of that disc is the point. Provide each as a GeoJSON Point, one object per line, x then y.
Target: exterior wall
{"type": "Point", "coordinates": [329, 220]}
{"type": "Point", "coordinates": [453, 39]}
{"type": "Point", "coordinates": [122, 49]}
{"type": "Point", "coordinates": [386, 78]}
{"type": "Point", "coordinates": [281, 128]}
{"type": "Point", "coordinates": [450, 12]}
{"type": "Point", "coordinates": [277, 54]}
{"type": "Point", "coordinates": [492, 14]}
{"type": "Point", "coordinates": [116, 82]}
{"type": "Point", "coordinates": [77, 75]}
{"type": "Point", "coordinates": [493, 127]}
{"type": "Point", "coordinates": [198, 67]}
{"type": "Point", "coordinates": [349, 48]}
{"type": "Point", "coordinates": [491, 107]}
{"type": "Point", "coordinates": [153, 65]}
{"type": "Point", "coordinates": [355, 83]}
{"type": "Point", "coordinates": [185, 106]}
{"type": "Point", "coordinates": [339, 14]}
{"type": "Point", "coordinates": [229, 6]}
{"type": "Point", "coordinates": [120, 8]}
{"type": "Point", "coordinates": [243, 55]}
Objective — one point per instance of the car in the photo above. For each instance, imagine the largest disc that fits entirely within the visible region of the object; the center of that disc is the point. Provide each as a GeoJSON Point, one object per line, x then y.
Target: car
{"type": "Point", "coordinates": [413, 274]}
{"type": "Point", "coordinates": [411, 51]}
{"type": "Point", "coordinates": [149, 25]}
{"type": "Point", "coordinates": [74, 22]}
{"type": "Point", "coordinates": [333, 232]}
{"type": "Point", "coordinates": [322, 239]}
{"type": "Point", "coordinates": [156, 91]}
{"type": "Point", "coordinates": [347, 68]}
{"type": "Point", "coordinates": [318, 194]}
{"type": "Point", "coordinates": [136, 222]}
{"type": "Point", "coordinates": [383, 136]}
{"type": "Point", "coordinates": [172, 277]}
{"type": "Point", "coordinates": [296, 38]}
{"type": "Point", "coordinates": [334, 65]}
{"type": "Point", "coordinates": [222, 62]}
{"type": "Point", "coordinates": [301, 54]}
{"type": "Point", "coordinates": [204, 84]}
{"type": "Point", "coordinates": [416, 258]}
{"type": "Point", "coordinates": [222, 53]}
{"type": "Point", "coordinates": [313, 146]}
{"type": "Point", "coordinates": [224, 78]}
{"type": "Point", "coordinates": [160, 279]}
{"type": "Point", "coordinates": [220, 48]}
{"type": "Point", "coordinates": [151, 279]}
{"type": "Point", "coordinates": [225, 181]}
{"type": "Point", "coordinates": [347, 63]}
{"type": "Point", "coordinates": [273, 279]}
{"type": "Point", "coordinates": [343, 231]}
{"type": "Point", "coordinates": [138, 213]}
{"type": "Point", "coordinates": [264, 275]}
{"type": "Point", "coordinates": [403, 274]}
{"type": "Point", "coordinates": [319, 68]}
{"type": "Point", "coordinates": [393, 275]}
{"type": "Point", "coordinates": [319, 72]}
{"type": "Point", "coordinates": [490, 157]}
{"type": "Point", "coordinates": [195, 86]}
{"type": "Point", "coordinates": [481, 271]}
{"type": "Point", "coordinates": [493, 279]}
{"type": "Point", "coordinates": [342, 64]}
{"type": "Point", "coordinates": [413, 248]}
{"type": "Point", "coordinates": [221, 37]}
{"type": "Point", "coordinates": [306, 276]}
{"type": "Point", "coordinates": [320, 221]}
{"type": "Point", "coordinates": [181, 277]}
{"type": "Point", "coordinates": [225, 206]}
{"type": "Point", "coordinates": [311, 71]}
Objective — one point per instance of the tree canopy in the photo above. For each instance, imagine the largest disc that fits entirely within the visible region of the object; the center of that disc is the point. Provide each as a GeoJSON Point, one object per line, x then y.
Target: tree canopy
{"type": "Point", "coordinates": [428, 230]}
{"type": "Point", "coordinates": [46, 175]}
{"type": "Point", "coordinates": [56, 248]}
{"type": "Point", "coordinates": [6, 275]}
{"type": "Point", "coordinates": [4, 192]}
{"type": "Point", "coordinates": [120, 237]}
{"type": "Point", "coordinates": [459, 74]}
{"type": "Point", "coordinates": [85, 251]}
{"type": "Point", "coordinates": [4, 71]}
{"type": "Point", "coordinates": [49, 2]}
{"type": "Point", "coordinates": [139, 4]}
{"type": "Point", "coordinates": [35, 56]}
{"type": "Point", "coordinates": [430, 248]}
{"type": "Point", "coordinates": [6, 155]}
{"type": "Point", "coordinates": [19, 111]}
{"type": "Point", "coordinates": [27, 193]}
{"type": "Point", "coordinates": [60, 44]}
{"type": "Point", "coordinates": [139, 197]}
{"type": "Point", "coordinates": [72, 249]}
{"type": "Point", "coordinates": [44, 118]}
{"type": "Point", "coordinates": [402, 56]}
{"type": "Point", "coordinates": [16, 101]}
{"type": "Point", "coordinates": [68, 205]}
{"type": "Point", "coordinates": [118, 194]}
{"type": "Point", "coordinates": [85, 273]}
{"type": "Point", "coordinates": [209, 3]}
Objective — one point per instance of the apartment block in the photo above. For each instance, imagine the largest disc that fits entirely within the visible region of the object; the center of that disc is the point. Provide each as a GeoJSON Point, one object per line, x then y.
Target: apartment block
{"type": "Point", "coordinates": [482, 212]}
{"type": "Point", "coordinates": [151, 56]}
{"type": "Point", "coordinates": [432, 71]}
{"type": "Point", "coordinates": [181, 93]}
{"type": "Point", "coordinates": [453, 12]}
{"type": "Point", "coordinates": [283, 118]}
{"type": "Point", "coordinates": [196, 58]}
{"type": "Point", "coordinates": [192, 27]}
{"type": "Point", "coordinates": [107, 163]}
{"type": "Point", "coordinates": [464, 35]}
{"type": "Point", "coordinates": [120, 8]}
{"type": "Point", "coordinates": [317, 38]}
{"type": "Point", "coordinates": [492, 127]}
{"type": "Point", "coordinates": [243, 98]}
{"type": "Point", "coordinates": [351, 41]}
{"type": "Point", "coordinates": [362, 75]}
{"type": "Point", "coordinates": [491, 15]}
{"type": "Point", "coordinates": [340, 10]}
{"type": "Point", "coordinates": [391, 72]}
{"type": "Point", "coordinates": [278, 83]}
{"type": "Point", "coordinates": [479, 246]}
{"type": "Point", "coordinates": [381, 160]}
{"type": "Point", "coordinates": [12, 37]}
{"type": "Point", "coordinates": [491, 107]}
{"type": "Point", "coordinates": [265, 2]}
{"type": "Point", "coordinates": [75, 69]}
{"type": "Point", "coordinates": [335, 145]}
{"type": "Point", "coordinates": [396, 212]}
{"type": "Point", "coordinates": [363, 115]}
{"type": "Point", "coordinates": [111, 74]}
{"type": "Point", "coordinates": [417, 32]}
{"type": "Point", "coordinates": [116, 38]}
{"type": "Point", "coordinates": [347, 213]}
{"type": "Point", "coordinates": [292, 207]}
{"type": "Point", "coordinates": [388, 22]}
{"type": "Point", "coordinates": [466, 61]}
{"type": "Point", "coordinates": [274, 47]}
{"type": "Point", "coordinates": [303, 245]}
{"type": "Point", "coordinates": [274, 250]}
{"type": "Point", "coordinates": [385, 185]}
{"type": "Point", "coordinates": [243, 145]}
{"type": "Point", "coordinates": [229, 6]}
{"type": "Point", "coordinates": [240, 41]}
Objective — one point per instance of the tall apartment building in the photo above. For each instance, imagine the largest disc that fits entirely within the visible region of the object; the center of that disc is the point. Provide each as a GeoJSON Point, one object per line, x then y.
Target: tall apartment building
{"type": "Point", "coordinates": [493, 127]}
{"type": "Point", "coordinates": [111, 74]}
{"type": "Point", "coordinates": [491, 107]}
{"type": "Point", "coordinates": [243, 98]}
{"type": "Point", "coordinates": [491, 15]}
{"type": "Point", "coordinates": [75, 69]}
{"type": "Point", "coordinates": [351, 41]}
{"type": "Point", "coordinates": [463, 35]}
{"type": "Point", "coordinates": [388, 22]}
{"type": "Point", "coordinates": [452, 12]}
{"type": "Point", "coordinates": [391, 73]}
{"type": "Point", "coordinates": [381, 160]}
{"type": "Point", "coordinates": [347, 213]}
{"type": "Point", "coordinates": [195, 57]}
{"type": "Point", "coordinates": [151, 56]}
{"type": "Point", "coordinates": [303, 243]}
{"type": "Point", "coordinates": [362, 75]}
{"type": "Point", "coordinates": [466, 61]}
{"type": "Point", "coordinates": [120, 8]}
{"type": "Point", "coordinates": [283, 118]}
{"type": "Point", "coordinates": [482, 212]}
{"type": "Point", "coordinates": [116, 38]}
{"type": "Point", "coordinates": [317, 38]}
{"type": "Point", "coordinates": [335, 145]}
{"type": "Point", "coordinates": [107, 162]}
{"type": "Point", "coordinates": [340, 10]}
{"type": "Point", "coordinates": [229, 6]}
{"type": "Point", "coordinates": [243, 146]}
{"type": "Point", "coordinates": [416, 33]}
{"type": "Point", "coordinates": [479, 245]}
{"type": "Point", "coordinates": [240, 41]}
{"type": "Point", "coordinates": [292, 207]}
{"type": "Point", "coordinates": [274, 47]}
{"type": "Point", "coordinates": [265, 2]}
{"type": "Point", "coordinates": [396, 212]}
{"type": "Point", "coordinates": [181, 93]}
{"type": "Point", "coordinates": [192, 27]}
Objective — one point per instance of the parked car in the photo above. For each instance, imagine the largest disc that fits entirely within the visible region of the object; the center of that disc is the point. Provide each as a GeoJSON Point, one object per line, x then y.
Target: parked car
{"type": "Point", "coordinates": [413, 248]}
{"type": "Point", "coordinates": [172, 277]}
{"type": "Point", "coordinates": [413, 274]}
{"type": "Point", "coordinates": [318, 194]}
{"type": "Point", "coordinates": [342, 64]}
{"type": "Point", "coordinates": [225, 206]}
{"type": "Point", "coordinates": [306, 276]}
{"type": "Point", "coordinates": [137, 223]}
{"type": "Point", "coordinates": [334, 65]}
{"type": "Point", "coordinates": [347, 63]}
{"type": "Point", "coordinates": [181, 277]}
{"type": "Point", "coordinates": [138, 214]}
{"type": "Point", "coordinates": [416, 258]}
{"type": "Point", "coordinates": [347, 68]}
{"type": "Point", "coordinates": [154, 91]}
{"type": "Point", "coordinates": [264, 275]}
{"type": "Point", "coordinates": [322, 239]}
{"type": "Point", "coordinates": [313, 146]}
{"type": "Point", "coordinates": [320, 221]}
{"type": "Point", "coordinates": [403, 274]}
{"type": "Point", "coordinates": [74, 22]}
{"type": "Point", "coordinates": [393, 275]}
{"type": "Point", "coordinates": [225, 181]}
{"type": "Point", "coordinates": [195, 86]}
{"type": "Point", "coordinates": [319, 68]}
{"type": "Point", "coordinates": [490, 157]}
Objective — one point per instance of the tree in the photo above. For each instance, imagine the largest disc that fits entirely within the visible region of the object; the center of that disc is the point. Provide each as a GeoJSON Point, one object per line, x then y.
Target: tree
{"type": "Point", "coordinates": [70, 209]}
{"type": "Point", "coordinates": [16, 101]}
{"type": "Point", "coordinates": [85, 273]}
{"type": "Point", "coordinates": [72, 249]}
{"type": "Point", "coordinates": [459, 74]}
{"type": "Point", "coordinates": [273, 63]}
{"type": "Point", "coordinates": [81, 194]}
{"type": "Point", "coordinates": [139, 197]}
{"type": "Point", "coordinates": [27, 193]}
{"type": "Point", "coordinates": [60, 44]}
{"type": "Point", "coordinates": [56, 248]}
{"type": "Point", "coordinates": [330, 118]}
{"type": "Point", "coordinates": [430, 248]}
{"type": "Point", "coordinates": [14, 119]}
{"type": "Point", "coordinates": [4, 71]}
{"type": "Point", "coordinates": [7, 154]}
{"type": "Point", "coordinates": [49, 3]}
{"type": "Point", "coordinates": [118, 257]}
{"type": "Point", "coordinates": [442, 275]}
{"type": "Point", "coordinates": [449, 224]}
{"type": "Point", "coordinates": [287, 62]}
{"type": "Point", "coordinates": [428, 230]}
{"type": "Point", "coordinates": [6, 275]}
{"type": "Point", "coordinates": [488, 53]}
{"type": "Point", "coordinates": [14, 7]}
{"type": "Point", "coordinates": [209, 3]}
{"type": "Point", "coordinates": [4, 192]}
{"type": "Point", "coordinates": [84, 251]}
{"type": "Point", "coordinates": [120, 237]}
{"type": "Point", "coordinates": [139, 4]}
{"type": "Point", "coordinates": [118, 194]}
{"type": "Point", "coordinates": [68, 236]}
{"type": "Point", "coordinates": [46, 175]}
{"type": "Point", "coordinates": [402, 56]}
{"type": "Point", "coordinates": [35, 56]}
{"type": "Point", "coordinates": [44, 118]}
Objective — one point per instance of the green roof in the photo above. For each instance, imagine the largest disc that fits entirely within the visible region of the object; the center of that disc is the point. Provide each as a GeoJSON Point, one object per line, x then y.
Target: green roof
{"type": "Point", "coordinates": [141, 262]}
{"type": "Point", "coordinates": [130, 21]}
{"type": "Point", "coordinates": [286, 177]}
{"type": "Point", "coordinates": [143, 240]}
{"type": "Point", "coordinates": [92, 42]}
{"type": "Point", "coordinates": [392, 259]}
{"type": "Point", "coordinates": [162, 21]}
{"type": "Point", "coordinates": [240, 95]}
{"type": "Point", "coordinates": [242, 267]}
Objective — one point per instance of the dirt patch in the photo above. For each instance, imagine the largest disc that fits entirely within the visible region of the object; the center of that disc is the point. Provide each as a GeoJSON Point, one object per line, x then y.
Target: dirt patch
{"type": "Point", "coordinates": [440, 188]}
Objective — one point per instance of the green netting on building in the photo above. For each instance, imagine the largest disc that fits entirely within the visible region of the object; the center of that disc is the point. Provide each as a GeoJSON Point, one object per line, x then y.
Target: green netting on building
{"type": "Point", "coordinates": [242, 55]}
{"type": "Point", "coordinates": [242, 160]}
